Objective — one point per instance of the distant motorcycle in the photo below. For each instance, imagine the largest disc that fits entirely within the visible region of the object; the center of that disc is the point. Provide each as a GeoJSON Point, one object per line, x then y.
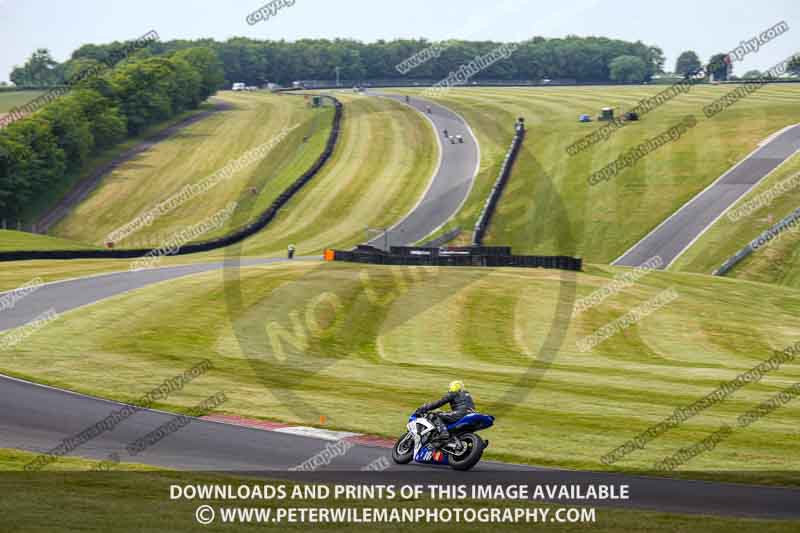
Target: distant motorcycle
{"type": "Point", "coordinates": [461, 452]}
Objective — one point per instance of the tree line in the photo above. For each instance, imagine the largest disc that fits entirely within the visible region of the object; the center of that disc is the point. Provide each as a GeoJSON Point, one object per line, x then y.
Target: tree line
{"type": "Point", "coordinates": [168, 77]}
{"type": "Point", "coordinates": [721, 67]}
{"type": "Point", "coordinates": [40, 150]}
{"type": "Point", "coordinates": [256, 62]}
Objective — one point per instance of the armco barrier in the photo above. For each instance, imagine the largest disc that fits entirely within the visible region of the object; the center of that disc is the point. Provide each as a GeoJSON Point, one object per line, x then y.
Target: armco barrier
{"type": "Point", "coordinates": [232, 238]}
{"type": "Point", "coordinates": [494, 196]}
{"type": "Point", "coordinates": [789, 221]}
{"type": "Point", "coordinates": [464, 256]}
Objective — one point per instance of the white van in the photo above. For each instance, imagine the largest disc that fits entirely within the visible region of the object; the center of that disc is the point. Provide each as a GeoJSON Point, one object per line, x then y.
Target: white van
{"type": "Point", "coordinates": [238, 86]}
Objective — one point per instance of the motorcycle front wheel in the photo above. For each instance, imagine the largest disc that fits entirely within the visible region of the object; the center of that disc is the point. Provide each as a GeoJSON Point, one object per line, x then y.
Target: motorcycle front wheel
{"type": "Point", "coordinates": [403, 450]}
{"type": "Point", "coordinates": [472, 453]}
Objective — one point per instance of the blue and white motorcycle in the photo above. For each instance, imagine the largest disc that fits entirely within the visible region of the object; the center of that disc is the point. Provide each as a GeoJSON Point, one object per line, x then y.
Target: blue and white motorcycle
{"type": "Point", "coordinates": [461, 452]}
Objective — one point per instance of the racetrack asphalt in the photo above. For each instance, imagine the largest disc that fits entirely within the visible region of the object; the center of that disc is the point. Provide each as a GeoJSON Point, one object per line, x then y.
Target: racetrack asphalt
{"type": "Point", "coordinates": [674, 236]}
{"type": "Point", "coordinates": [66, 295]}
{"type": "Point", "coordinates": [38, 418]}
{"type": "Point", "coordinates": [451, 183]}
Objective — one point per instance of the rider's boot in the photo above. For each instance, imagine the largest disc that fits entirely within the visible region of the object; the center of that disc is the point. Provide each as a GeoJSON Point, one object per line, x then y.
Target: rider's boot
{"type": "Point", "coordinates": [442, 434]}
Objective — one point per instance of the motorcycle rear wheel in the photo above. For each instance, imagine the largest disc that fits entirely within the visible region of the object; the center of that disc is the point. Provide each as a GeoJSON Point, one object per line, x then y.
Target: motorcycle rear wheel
{"type": "Point", "coordinates": [403, 450]}
{"type": "Point", "coordinates": [471, 455]}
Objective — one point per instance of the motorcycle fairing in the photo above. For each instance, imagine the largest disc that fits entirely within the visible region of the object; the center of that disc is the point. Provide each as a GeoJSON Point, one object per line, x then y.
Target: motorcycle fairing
{"type": "Point", "coordinates": [473, 422]}
{"type": "Point", "coordinates": [428, 455]}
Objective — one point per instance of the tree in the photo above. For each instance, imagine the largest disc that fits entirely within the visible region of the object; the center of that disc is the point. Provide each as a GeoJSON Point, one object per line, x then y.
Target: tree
{"type": "Point", "coordinates": [71, 129]}
{"type": "Point", "coordinates": [658, 59]}
{"type": "Point", "coordinates": [36, 160]}
{"type": "Point", "coordinates": [39, 151]}
{"type": "Point", "coordinates": [206, 62]}
{"type": "Point", "coordinates": [40, 70]}
{"type": "Point", "coordinates": [77, 70]}
{"type": "Point", "coordinates": [188, 86]}
{"type": "Point", "coordinates": [253, 61]}
{"type": "Point", "coordinates": [14, 157]}
{"type": "Point", "coordinates": [719, 66]}
{"type": "Point", "coordinates": [688, 63]}
{"type": "Point", "coordinates": [94, 52]}
{"type": "Point", "coordinates": [752, 74]}
{"type": "Point", "coordinates": [18, 76]}
{"type": "Point", "coordinates": [144, 90]}
{"type": "Point", "coordinates": [107, 122]}
{"type": "Point", "coordinates": [794, 66]}
{"type": "Point", "coordinates": [628, 68]}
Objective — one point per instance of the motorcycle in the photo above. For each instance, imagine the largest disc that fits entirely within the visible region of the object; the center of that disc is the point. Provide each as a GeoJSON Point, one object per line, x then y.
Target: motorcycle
{"type": "Point", "coordinates": [461, 452]}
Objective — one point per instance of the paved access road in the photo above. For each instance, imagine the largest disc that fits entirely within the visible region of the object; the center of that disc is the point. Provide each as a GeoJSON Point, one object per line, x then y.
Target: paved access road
{"type": "Point", "coordinates": [673, 236]}
{"type": "Point", "coordinates": [451, 182]}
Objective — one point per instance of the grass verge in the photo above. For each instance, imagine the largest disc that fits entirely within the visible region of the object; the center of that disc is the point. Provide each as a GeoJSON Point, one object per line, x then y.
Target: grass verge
{"type": "Point", "coordinates": [778, 262]}
{"type": "Point", "coordinates": [255, 120]}
{"type": "Point", "coordinates": [340, 336]}
{"type": "Point", "coordinates": [549, 207]}
{"type": "Point", "coordinates": [19, 240]}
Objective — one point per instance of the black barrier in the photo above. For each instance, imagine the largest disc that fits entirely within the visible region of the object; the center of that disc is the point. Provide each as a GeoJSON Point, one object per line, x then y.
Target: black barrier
{"type": "Point", "coordinates": [226, 240]}
{"type": "Point", "coordinates": [466, 256]}
{"type": "Point", "coordinates": [494, 196]}
{"type": "Point", "coordinates": [451, 250]}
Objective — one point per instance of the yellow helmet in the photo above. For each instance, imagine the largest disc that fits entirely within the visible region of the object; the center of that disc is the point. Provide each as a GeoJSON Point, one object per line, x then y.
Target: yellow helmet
{"type": "Point", "coordinates": [456, 386]}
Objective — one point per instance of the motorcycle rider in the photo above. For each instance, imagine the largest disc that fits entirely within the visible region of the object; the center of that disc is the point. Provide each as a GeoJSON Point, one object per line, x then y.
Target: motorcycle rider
{"type": "Point", "coordinates": [460, 402]}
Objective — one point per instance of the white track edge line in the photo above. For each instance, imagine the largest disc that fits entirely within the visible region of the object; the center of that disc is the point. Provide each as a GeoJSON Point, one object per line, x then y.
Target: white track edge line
{"type": "Point", "coordinates": [148, 285]}
{"type": "Point", "coordinates": [148, 409]}
{"type": "Point", "coordinates": [763, 144]}
{"type": "Point", "coordinates": [730, 206]}
{"type": "Point", "coordinates": [433, 174]}
{"type": "Point", "coordinates": [168, 267]}
{"type": "Point", "coordinates": [474, 175]}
